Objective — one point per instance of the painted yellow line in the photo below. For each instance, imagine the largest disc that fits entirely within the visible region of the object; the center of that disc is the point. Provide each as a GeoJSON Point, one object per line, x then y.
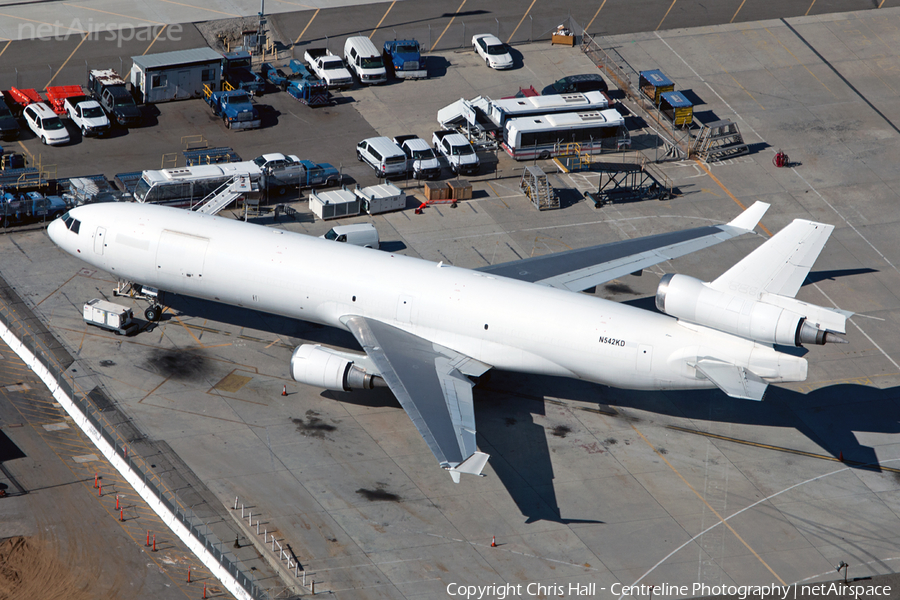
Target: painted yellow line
{"type": "Point", "coordinates": [191, 333]}
{"type": "Point", "coordinates": [200, 8]}
{"type": "Point", "coordinates": [5, 47]}
{"type": "Point", "coordinates": [666, 15]}
{"type": "Point", "coordinates": [810, 8]}
{"type": "Point", "coordinates": [307, 26]}
{"type": "Point", "coordinates": [591, 22]}
{"type": "Point", "coordinates": [740, 86]}
{"type": "Point", "coordinates": [84, 37]}
{"type": "Point", "coordinates": [448, 27]}
{"type": "Point", "coordinates": [727, 191]}
{"type": "Point", "coordinates": [106, 12]}
{"type": "Point", "coordinates": [714, 511]}
{"type": "Point", "coordinates": [154, 40]}
{"type": "Point", "coordinates": [57, 25]}
{"type": "Point", "coordinates": [25, 150]}
{"type": "Point", "coordinates": [882, 2]}
{"type": "Point", "coordinates": [779, 448]}
{"type": "Point", "coordinates": [800, 63]}
{"type": "Point", "coordinates": [306, 6]}
{"type": "Point", "coordinates": [737, 11]}
{"type": "Point", "coordinates": [520, 22]}
{"type": "Point", "coordinates": [382, 18]}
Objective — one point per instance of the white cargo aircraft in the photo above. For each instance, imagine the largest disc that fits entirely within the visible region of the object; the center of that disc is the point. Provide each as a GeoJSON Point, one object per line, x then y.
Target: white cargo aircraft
{"type": "Point", "coordinates": [428, 328]}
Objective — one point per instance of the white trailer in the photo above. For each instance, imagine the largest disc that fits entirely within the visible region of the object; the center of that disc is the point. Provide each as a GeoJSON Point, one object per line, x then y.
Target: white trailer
{"type": "Point", "coordinates": [335, 204]}
{"type": "Point", "coordinates": [381, 198]}
{"type": "Point", "coordinates": [108, 315]}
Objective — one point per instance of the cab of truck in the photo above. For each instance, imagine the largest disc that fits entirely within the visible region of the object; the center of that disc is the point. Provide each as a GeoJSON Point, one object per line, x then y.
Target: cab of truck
{"type": "Point", "coordinates": [365, 60]}
{"type": "Point", "coordinates": [360, 234]}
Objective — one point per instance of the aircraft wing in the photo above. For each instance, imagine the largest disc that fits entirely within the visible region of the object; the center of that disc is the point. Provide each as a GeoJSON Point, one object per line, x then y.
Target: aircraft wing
{"type": "Point", "coordinates": [583, 268]}
{"type": "Point", "coordinates": [428, 381]}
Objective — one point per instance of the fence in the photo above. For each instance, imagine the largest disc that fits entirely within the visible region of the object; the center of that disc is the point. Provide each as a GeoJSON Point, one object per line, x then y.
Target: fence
{"type": "Point", "coordinates": [49, 353]}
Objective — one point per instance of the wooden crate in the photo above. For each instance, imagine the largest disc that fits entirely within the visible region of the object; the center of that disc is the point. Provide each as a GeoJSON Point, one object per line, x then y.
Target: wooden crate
{"type": "Point", "coordinates": [460, 189]}
{"type": "Point", "coordinates": [566, 40]}
{"type": "Point", "coordinates": [437, 190]}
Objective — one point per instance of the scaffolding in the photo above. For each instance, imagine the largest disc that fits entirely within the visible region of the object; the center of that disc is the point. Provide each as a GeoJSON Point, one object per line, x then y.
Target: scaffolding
{"type": "Point", "coordinates": [720, 140]}
{"type": "Point", "coordinates": [535, 185]}
{"type": "Point", "coordinates": [629, 181]}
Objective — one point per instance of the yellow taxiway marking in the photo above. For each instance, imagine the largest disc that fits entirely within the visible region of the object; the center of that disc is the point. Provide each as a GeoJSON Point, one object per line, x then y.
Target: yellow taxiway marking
{"type": "Point", "coordinates": [520, 22]}
{"type": "Point", "coordinates": [43, 23]}
{"type": "Point", "coordinates": [154, 40]}
{"type": "Point", "coordinates": [714, 511]}
{"type": "Point", "coordinates": [84, 37]}
{"type": "Point", "coordinates": [382, 18]}
{"type": "Point", "coordinates": [799, 62]}
{"type": "Point", "coordinates": [307, 26]}
{"type": "Point", "coordinates": [200, 8]}
{"type": "Point", "coordinates": [727, 191]}
{"type": "Point", "coordinates": [5, 47]}
{"type": "Point", "coordinates": [447, 27]}
{"type": "Point", "coordinates": [666, 15]}
{"type": "Point", "coordinates": [591, 22]}
{"type": "Point", "coordinates": [106, 12]}
{"type": "Point", "coordinates": [737, 11]}
{"type": "Point", "coordinates": [810, 8]}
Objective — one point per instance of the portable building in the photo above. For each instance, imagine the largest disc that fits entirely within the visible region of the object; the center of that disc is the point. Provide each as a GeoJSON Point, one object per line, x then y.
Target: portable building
{"type": "Point", "coordinates": [678, 108]}
{"type": "Point", "coordinates": [177, 75]}
{"type": "Point", "coordinates": [654, 83]}
{"type": "Point", "coordinates": [381, 198]}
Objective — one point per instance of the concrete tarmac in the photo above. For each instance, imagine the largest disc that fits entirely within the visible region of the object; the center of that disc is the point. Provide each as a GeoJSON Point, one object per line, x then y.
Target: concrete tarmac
{"type": "Point", "coordinates": [586, 484]}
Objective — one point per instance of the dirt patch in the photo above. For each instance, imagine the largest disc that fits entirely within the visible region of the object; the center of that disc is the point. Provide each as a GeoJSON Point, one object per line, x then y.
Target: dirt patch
{"type": "Point", "coordinates": [182, 366]}
{"type": "Point", "coordinates": [610, 441]}
{"type": "Point", "coordinates": [30, 568]}
{"type": "Point", "coordinates": [378, 495]}
{"type": "Point", "coordinates": [561, 431]}
{"type": "Point", "coordinates": [313, 426]}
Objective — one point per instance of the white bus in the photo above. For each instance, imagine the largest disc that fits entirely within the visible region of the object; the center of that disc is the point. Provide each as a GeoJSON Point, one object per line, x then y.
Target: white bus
{"type": "Point", "coordinates": [187, 186]}
{"type": "Point", "coordinates": [553, 135]}
{"type": "Point", "coordinates": [502, 111]}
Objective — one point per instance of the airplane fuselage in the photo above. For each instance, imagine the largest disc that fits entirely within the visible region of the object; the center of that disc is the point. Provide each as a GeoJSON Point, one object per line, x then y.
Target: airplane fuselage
{"type": "Point", "coordinates": [502, 322]}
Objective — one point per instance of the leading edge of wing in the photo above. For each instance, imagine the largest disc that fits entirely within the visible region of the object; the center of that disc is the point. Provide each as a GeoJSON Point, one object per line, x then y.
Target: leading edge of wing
{"type": "Point", "coordinates": [583, 268]}
{"type": "Point", "coordinates": [427, 381]}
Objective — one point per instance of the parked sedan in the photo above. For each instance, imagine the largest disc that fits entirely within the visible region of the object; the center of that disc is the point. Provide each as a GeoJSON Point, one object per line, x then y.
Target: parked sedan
{"type": "Point", "coordinates": [492, 50]}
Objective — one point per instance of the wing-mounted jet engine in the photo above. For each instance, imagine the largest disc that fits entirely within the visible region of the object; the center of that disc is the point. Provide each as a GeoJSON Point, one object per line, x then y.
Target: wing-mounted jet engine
{"type": "Point", "coordinates": [755, 298]}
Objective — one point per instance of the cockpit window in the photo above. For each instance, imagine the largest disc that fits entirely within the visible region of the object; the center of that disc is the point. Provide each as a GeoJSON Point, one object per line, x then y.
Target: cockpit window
{"type": "Point", "coordinates": [73, 225]}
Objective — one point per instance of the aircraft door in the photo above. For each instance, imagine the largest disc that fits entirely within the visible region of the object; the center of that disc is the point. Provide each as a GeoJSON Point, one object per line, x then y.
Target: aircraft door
{"type": "Point", "coordinates": [644, 358]}
{"type": "Point", "coordinates": [99, 240]}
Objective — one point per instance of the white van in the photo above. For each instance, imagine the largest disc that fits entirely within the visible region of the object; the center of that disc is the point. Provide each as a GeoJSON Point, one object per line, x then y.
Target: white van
{"type": "Point", "coordinates": [361, 234]}
{"type": "Point", "coordinates": [364, 59]}
{"type": "Point", "coordinates": [383, 155]}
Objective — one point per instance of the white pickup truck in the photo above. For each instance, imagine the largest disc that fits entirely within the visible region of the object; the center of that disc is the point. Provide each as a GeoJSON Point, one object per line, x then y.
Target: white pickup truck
{"type": "Point", "coordinates": [87, 114]}
{"type": "Point", "coordinates": [457, 150]}
{"type": "Point", "coordinates": [328, 67]}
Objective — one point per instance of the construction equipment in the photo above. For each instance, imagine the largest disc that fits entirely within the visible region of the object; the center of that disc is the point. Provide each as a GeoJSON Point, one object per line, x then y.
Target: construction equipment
{"type": "Point", "coordinates": [535, 185]}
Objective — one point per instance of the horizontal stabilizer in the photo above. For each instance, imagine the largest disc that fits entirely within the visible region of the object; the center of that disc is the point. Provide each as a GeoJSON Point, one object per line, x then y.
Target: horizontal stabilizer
{"type": "Point", "coordinates": [471, 466]}
{"type": "Point", "coordinates": [735, 381]}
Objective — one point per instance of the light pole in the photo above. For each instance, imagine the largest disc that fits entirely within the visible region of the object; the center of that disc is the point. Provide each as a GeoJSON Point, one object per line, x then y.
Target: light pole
{"type": "Point", "coordinates": [846, 569]}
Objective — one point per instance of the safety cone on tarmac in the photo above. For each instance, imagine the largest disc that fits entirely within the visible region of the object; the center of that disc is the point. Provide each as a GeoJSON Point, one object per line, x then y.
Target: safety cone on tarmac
{"type": "Point", "coordinates": [841, 457]}
{"type": "Point", "coordinates": [493, 541]}
{"type": "Point", "coordinates": [284, 391]}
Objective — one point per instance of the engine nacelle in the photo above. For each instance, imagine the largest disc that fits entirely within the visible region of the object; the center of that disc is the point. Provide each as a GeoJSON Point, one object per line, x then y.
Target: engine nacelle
{"type": "Point", "coordinates": [692, 300]}
{"type": "Point", "coordinates": [317, 366]}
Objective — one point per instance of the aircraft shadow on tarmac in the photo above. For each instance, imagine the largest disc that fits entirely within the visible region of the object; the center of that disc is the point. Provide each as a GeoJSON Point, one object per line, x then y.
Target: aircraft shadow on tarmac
{"type": "Point", "coordinates": [830, 417]}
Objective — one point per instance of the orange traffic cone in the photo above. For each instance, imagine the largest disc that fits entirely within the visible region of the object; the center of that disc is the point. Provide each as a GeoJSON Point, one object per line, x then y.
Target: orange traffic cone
{"type": "Point", "coordinates": [284, 391]}
{"type": "Point", "coordinates": [493, 541]}
{"type": "Point", "coordinates": [841, 456]}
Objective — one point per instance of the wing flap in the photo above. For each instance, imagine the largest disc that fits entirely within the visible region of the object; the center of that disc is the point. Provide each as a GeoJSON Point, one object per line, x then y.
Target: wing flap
{"type": "Point", "coordinates": [583, 268]}
{"type": "Point", "coordinates": [427, 381]}
{"type": "Point", "coordinates": [735, 381]}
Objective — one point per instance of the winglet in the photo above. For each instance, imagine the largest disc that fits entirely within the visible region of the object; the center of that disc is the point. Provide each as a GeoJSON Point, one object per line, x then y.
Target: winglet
{"type": "Point", "coordinates": [471, 466]}
{"type": "Point", "coordinates": [750, 218]}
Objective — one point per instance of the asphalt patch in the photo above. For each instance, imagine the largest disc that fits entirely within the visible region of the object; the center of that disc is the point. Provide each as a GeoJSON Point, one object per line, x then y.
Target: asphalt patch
{"type": "Point", "coordinates": [378, 495]}
{"type": "Point", "coordinates": [313, 426]}
{"type": "Point", "coordinates": [181, 366]}
{"type": "Point", "coordinates": [561, 431]}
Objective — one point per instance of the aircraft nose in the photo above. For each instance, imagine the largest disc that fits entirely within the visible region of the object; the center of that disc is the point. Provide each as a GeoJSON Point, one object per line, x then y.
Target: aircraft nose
{"type": "Point", "coordinates": [55, 230]}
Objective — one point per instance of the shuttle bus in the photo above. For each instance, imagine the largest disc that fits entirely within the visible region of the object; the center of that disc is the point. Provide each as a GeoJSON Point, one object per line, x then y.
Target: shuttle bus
{"type": "Point", "coordinates": [553, 135]}
{"type": "Point", "coordinates": [187, 186]}
{"type": "Point", "coordinates": [502, 111]}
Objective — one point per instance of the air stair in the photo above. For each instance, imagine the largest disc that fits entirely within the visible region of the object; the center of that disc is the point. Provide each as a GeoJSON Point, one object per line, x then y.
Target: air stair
{"type": "Point", "coordinates": [535, 185]}
{"type": "Point", "coordinates": [228, 192]}
{"type": "Point", "coordinates": [720, 140]}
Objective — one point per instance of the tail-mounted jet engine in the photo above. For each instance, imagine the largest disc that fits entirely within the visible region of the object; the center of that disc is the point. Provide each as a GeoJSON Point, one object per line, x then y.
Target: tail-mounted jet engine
{"type": "Point", "coordinates": [333, 370]}
{"type": "Point", "coordinates": [768, 318]}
